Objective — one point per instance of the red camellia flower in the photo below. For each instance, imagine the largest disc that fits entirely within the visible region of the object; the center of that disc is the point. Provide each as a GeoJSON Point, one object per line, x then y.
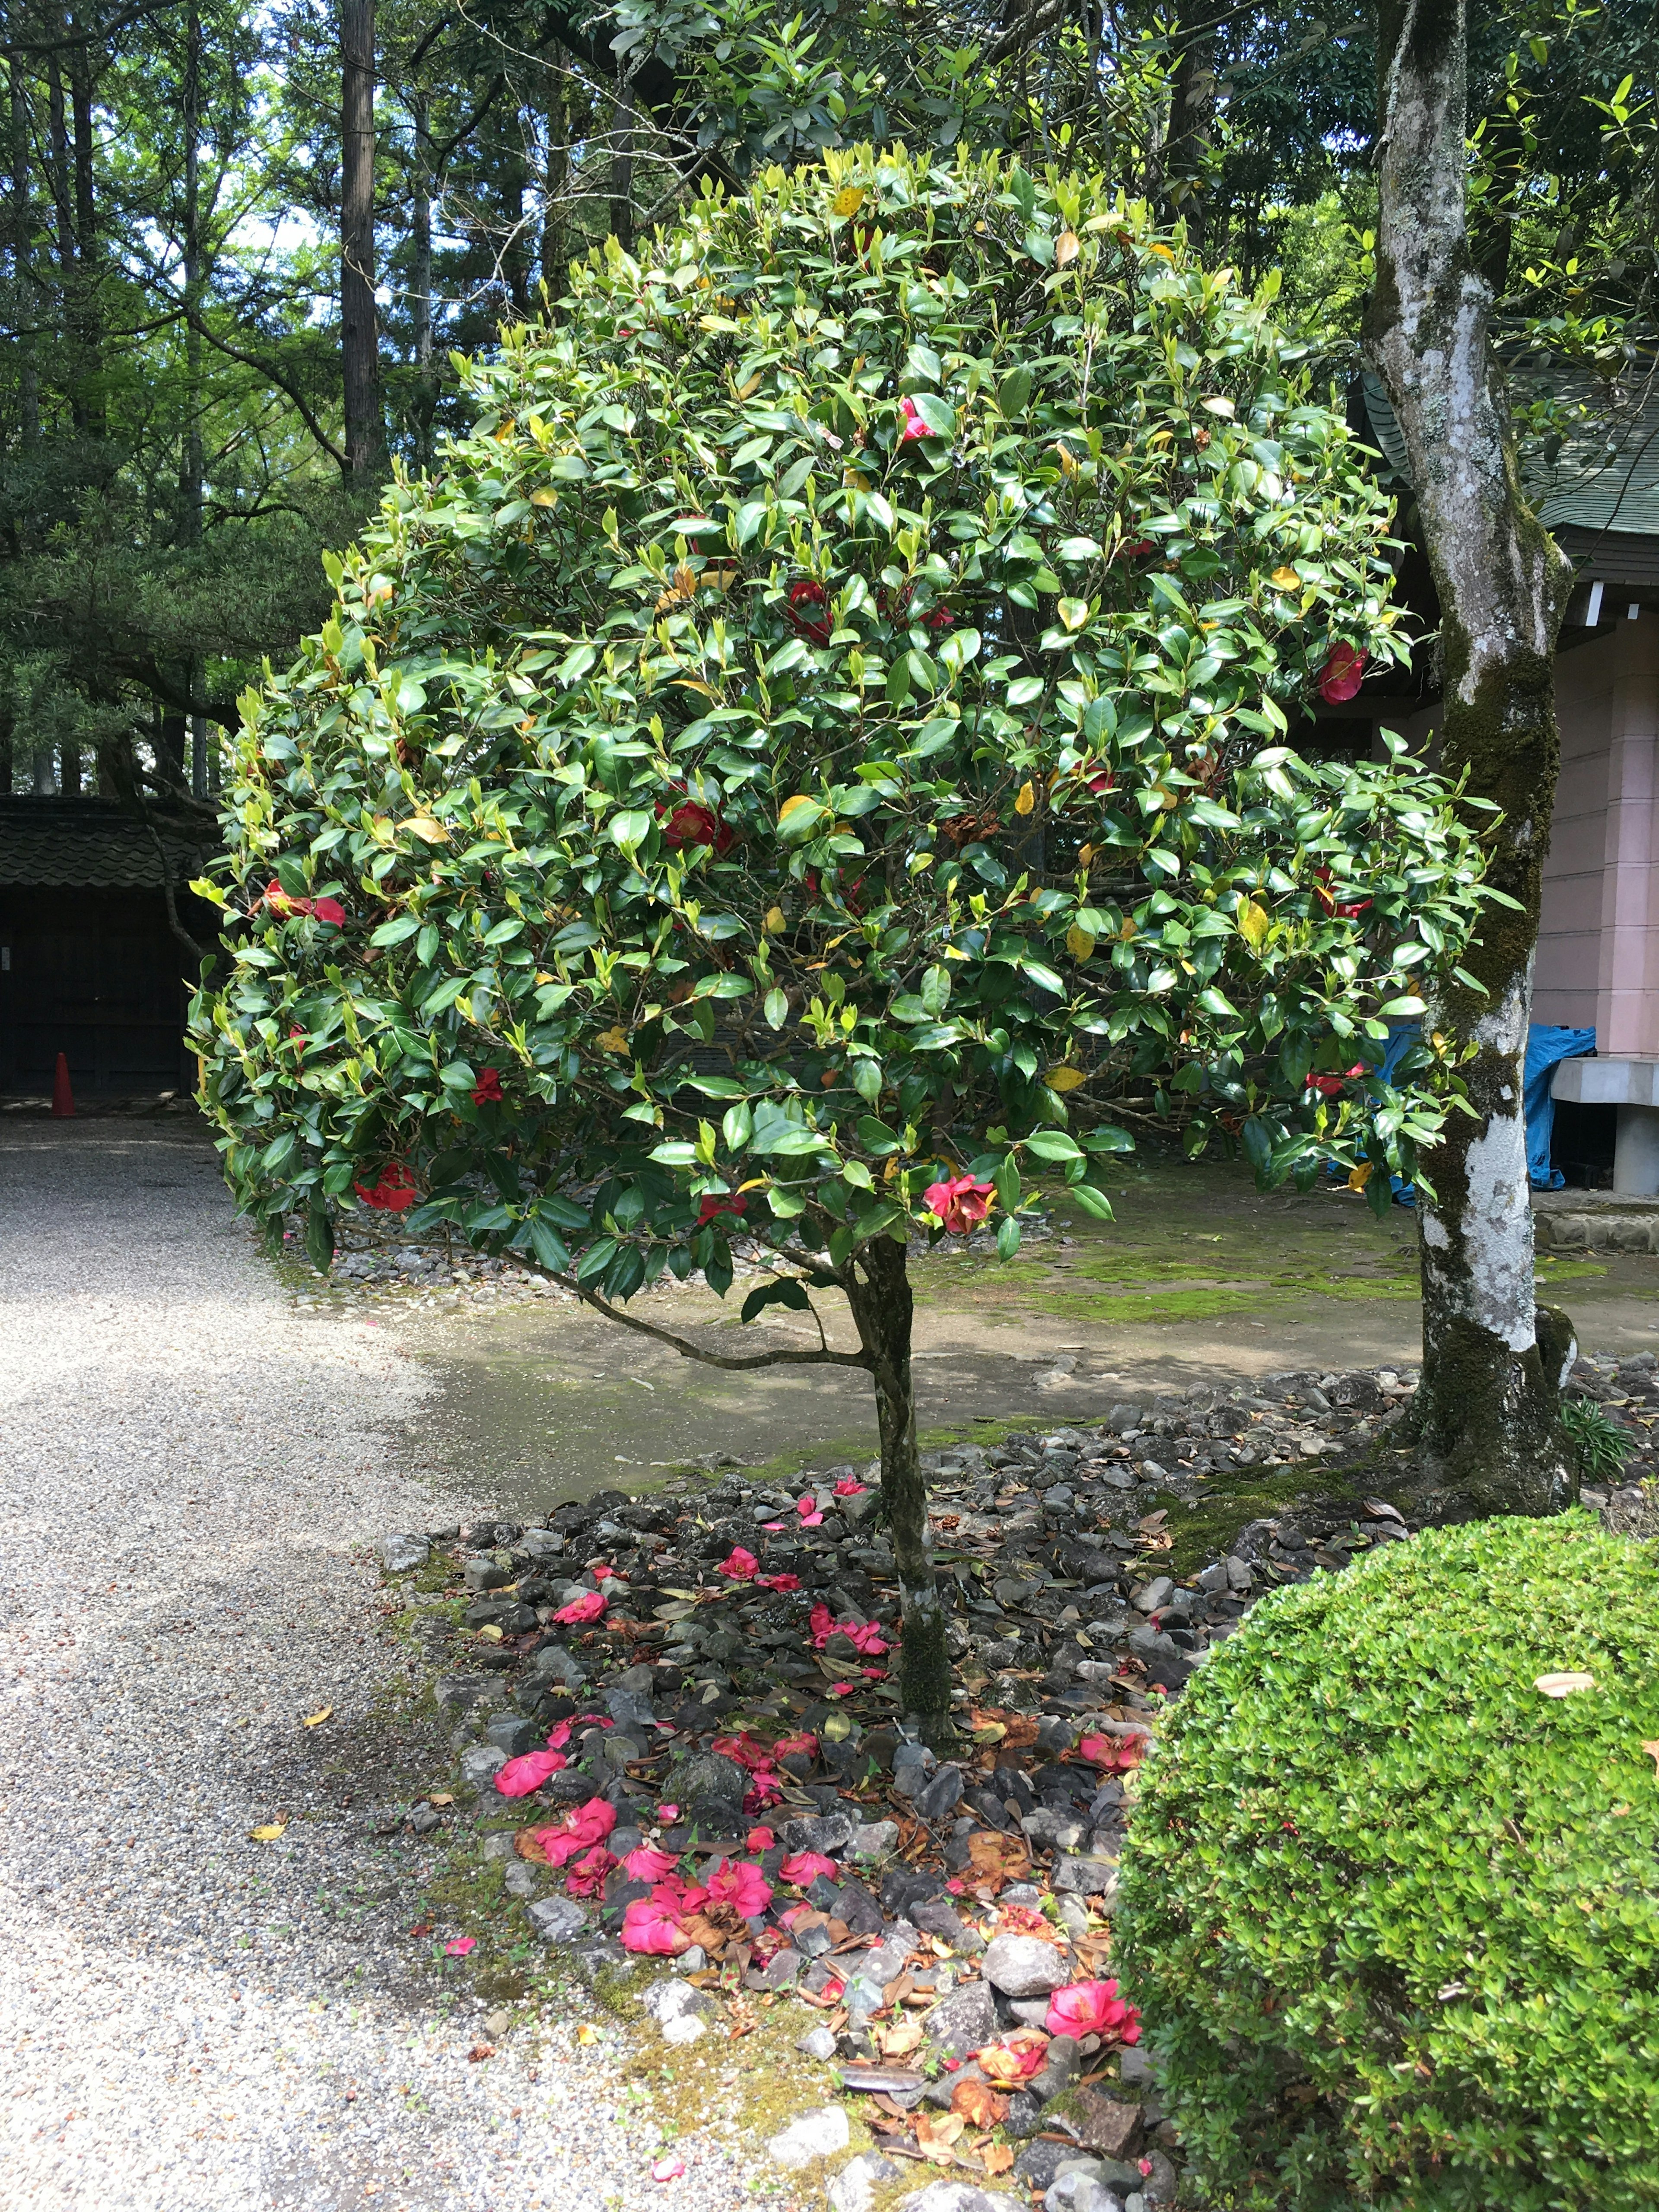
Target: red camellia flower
{"type": "Point", "coordinates": [807, 1508]}
{"type": "Point", "coordinates": [588, 1607]}
{"type": "Point", "coordinates": [961, 1202]}
{"type": "Point", "coordinates": [691, 822]}
{"type": "Point", "coordinates": [1324, 892]}
{"type": "Point", "coordinates": [1331, 1086]}
{"type": "Point", "coordinates": [735, 1882]}
{"type": "Point", "coordinates": [719, 1201]}
{"type": "Point", "coordinates": [648, 1864]}
{"type": "Point", "coordinates": [1092, 2008]}
{"type": "Point", "coordinates": [395, 1192]}
{"type": "Point", "coordinates": [487, 1090]}
{"type": "Point", "coordinates": [777, 1582]}
{"type": "Point", "coordinates": [1117, 1755]}
{"type": "Point", "coordinates": [319, 910]}
{"type": "Point", "coordinates": [652, 1929]}
{"type": "Point", "coordinates": [850, 1486]}
{"type": "Point", "coordinates": [803, 1869]}
{"type": "Point", "coordinates": [738, 1566]}
{"type": "Point", "coordinates": [914, 426]}
{"type": "Point", "coordinates": [759, 1839]}
{"type": "Point", "coordinates": [587, 1876]}
{"type": "Point", "coordinates": [579, 1831]}
{"type": "Point", "coordinates": [1343, 674]}
{"type": "Point", "coordinates": [809, 609]}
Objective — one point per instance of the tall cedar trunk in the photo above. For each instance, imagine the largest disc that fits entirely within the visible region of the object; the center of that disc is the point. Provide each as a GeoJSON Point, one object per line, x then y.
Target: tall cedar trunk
{"type": "Point", "coordinates": [365, 440]}
{"type": "Point", "coordinates": [622, 161]}
{"type": "Point", "coordinates": [1487, 1410]}
{"type": "Point", "coordinates": [883, 1309]}
{"type": "Point", "coordinates": [426, 396]}
{"type": "Point", "coordinates": [191, 469]}
{"type": "Point", "coordinates": [22, 228]}
{"type": "Point", "coordinates": [87, 323]}
{"type": "Point", "coordinates": [555, 176]}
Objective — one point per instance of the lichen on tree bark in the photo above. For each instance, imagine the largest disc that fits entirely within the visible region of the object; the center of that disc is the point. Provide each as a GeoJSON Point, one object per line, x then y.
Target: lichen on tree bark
{"type": "Point", "coordinates": [1487, 1412]}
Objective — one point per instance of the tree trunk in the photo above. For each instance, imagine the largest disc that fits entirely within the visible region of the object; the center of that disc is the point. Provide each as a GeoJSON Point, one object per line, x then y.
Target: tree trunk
{"type": "Point", "coordinates": [426, 395]}
{"type": "Point", "coordinates": [88, 305]}
{"type": "Point", "coordinates": [622, 161]}
{"type": "Point", "coordinates": [1191, 124]}
{"type": "Point", "coordinates": [22, 226]}
{"type": "Point", "coordinates": [1487, 1410]}
{"type": "Point", "coordinates": [191, 467]}
{"type": "Point", "coordinates": [365, 436]}
{"type": "Point", "coordinates": [556, 178]}
{"type": "Point", "coordinates": [883, 1309]}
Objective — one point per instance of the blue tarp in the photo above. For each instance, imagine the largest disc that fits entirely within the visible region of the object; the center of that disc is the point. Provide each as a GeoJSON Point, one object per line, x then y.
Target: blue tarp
{"type": "Point", "coordinates": [1546, 1047]}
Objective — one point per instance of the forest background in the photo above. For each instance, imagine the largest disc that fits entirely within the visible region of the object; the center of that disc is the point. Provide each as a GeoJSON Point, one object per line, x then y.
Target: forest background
{"type": "Point", "coordinates": [241, 245]}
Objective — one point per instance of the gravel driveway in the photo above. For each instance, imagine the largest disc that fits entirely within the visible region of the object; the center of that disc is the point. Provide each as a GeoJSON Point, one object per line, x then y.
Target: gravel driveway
{"type": "Point", "coordinates": [189, 2018]}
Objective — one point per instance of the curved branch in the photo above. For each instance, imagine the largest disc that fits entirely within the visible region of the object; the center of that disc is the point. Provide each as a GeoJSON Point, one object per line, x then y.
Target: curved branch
{"type": "Point", "coordinates": [684, 1345]}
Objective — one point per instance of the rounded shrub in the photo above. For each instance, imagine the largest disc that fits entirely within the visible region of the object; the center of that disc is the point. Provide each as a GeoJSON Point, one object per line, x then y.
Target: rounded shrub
{"type": "Point", "coordinates": [1391, 1911]}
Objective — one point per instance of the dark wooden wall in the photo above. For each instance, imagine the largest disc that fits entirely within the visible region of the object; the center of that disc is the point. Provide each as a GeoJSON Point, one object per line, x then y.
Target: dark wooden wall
{"type": "Point", "coordinates": [97, 975]}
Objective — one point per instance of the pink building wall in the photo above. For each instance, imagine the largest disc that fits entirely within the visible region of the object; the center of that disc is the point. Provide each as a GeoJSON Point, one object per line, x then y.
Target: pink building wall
{"type": "Point", "coordinates": [1598, 940]}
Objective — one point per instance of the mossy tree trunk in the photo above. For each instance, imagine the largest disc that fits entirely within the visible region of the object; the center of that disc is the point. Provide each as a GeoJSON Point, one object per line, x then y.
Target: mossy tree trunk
{"type": "Point", "coordinates": [879, 1290]}
{"type": "Point", "coordinates": [1487, 1409]}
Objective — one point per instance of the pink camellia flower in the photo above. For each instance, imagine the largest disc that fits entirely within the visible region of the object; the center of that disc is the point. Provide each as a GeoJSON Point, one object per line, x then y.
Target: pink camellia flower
{"type": "Point", "coordinates": [559, 1736]}
{"type": "Point", "coordinates": [960, 1203]}
{"type": "Point", "coordinates": [807, 1508]}
{"type": "Point", "coordinates": [459, 1946]}
{"type": "Point", "coordinates": [652, 1929]}
{"type": "Point", "coordinates": [603, 1571]}
{"type": "Point", "coordinates": [759, 1839]}
{"type": "Point", "coordinates": [1331, 1086]}
{"type": "Point", "coordinates": [669, 1814]}
{"type": "Point", "coordinates": [1015, 2059]}
{"type": "Point", "coordinates": [487, 1090]}
{"type": "Point", "coordinates": [588, 1607]}
{"type": "Point", "coordinates": [914, 426]}
{"type": "Point", "coordinates": [764, 1792]}
{"type": "Point", "coordinates": [849, 1487]}
{"type": "Point", "coordinates": [1092, 2008]}
{"type": "Point", "coordinates": [744, 1749]}
{"type": "Point", "coordinates": [520, 1776]}
{"type": "Point", "coordinates": [735, 1882]}
{"type": "Point", "coordinates": [670, 2169]}
{"type": "Point", "coordinates": [1117, 1755]}
{"type": "Point", "coordinates": [821, 1623]}
{"type": "Point", "coordinates": [956, 1887]}
{"type": "Point", "coordinates": [713, 1203]}
{"type": "Point", "coordinates": [320, 910]}
{"type": "Point", "coordinates": [579, 1831]}
{"type": "Point", "coordinates": [777, 1582]}
{"type": "Point", "coordinates": [738, 1566]}
{"type": "Point", "coordinates": [648, 1864]}
{"type": "Point", "coordinates": [804, 1745]}
{"type": "Point", "coordinates": [1325, 892]}
{"type": "Point", "coordinates": [1343, 674]}
{"type": "Point", "coordinates": [329, 909]}
{"type": "Point", "coordinates": [587, 1873]}
{"type": "Point", "coordinates": [803, 1869]}
{"type": "Point", "coordinates": [839, 1689]}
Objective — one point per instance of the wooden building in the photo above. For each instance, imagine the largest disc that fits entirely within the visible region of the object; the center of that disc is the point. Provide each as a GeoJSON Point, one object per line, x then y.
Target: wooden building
{"type": "Point", "coordinates": [89, 965]}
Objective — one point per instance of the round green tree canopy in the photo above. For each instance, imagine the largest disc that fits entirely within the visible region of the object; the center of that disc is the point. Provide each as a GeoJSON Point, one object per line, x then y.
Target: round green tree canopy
{"type": "Point", "coordinates": [821, 739]}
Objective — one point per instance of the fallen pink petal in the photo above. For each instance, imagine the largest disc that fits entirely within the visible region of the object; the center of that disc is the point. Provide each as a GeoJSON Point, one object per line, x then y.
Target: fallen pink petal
{"type": "Point", "coordinates": [459, 1946]}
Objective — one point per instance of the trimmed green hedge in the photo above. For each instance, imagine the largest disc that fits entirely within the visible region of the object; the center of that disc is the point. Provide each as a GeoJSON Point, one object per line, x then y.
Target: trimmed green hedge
{"type": "Point", "coordinates": [1391, 1913]}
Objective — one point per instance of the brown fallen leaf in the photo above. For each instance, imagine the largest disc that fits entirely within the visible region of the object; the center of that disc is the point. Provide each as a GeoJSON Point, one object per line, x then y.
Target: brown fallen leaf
{"type": "Point", "coordinates": [1563, 1686]}
{"type": "Point", "coordinates": [997, 1859]}
{"type": "Point", "coordinates": [441, 1797]}
{"type": "Point", "coordinates": [587, 2034]}
{"type": "Point", "coordinates": [979, 2104]}
{"type": "Point", "coordinates": [481, 2050]}
{"type": "Point", "coordinates": [1652, 1751]}
{"type": "Point", "coordinates": [997, 2158]}
{"type": "Point", "coordinates": [935, 2137]}
{"type": "Point", "coordinates": [902, 2038]}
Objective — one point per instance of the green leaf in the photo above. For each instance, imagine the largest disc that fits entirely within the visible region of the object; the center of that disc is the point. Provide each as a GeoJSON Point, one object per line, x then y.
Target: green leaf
{"type": "Point", "coordinates": [785, 1292]}
{"type": "Point", "coordinates": [1053, 1145]}
{"type": "Point", "coordinates": [1008, 1239]}
{"type": "Point", "coordinates": [547, 1244]}
{"type": "Point", "coordinates": [1092, 1201]}
{"type": "Point", "coordinates": [776, 1007]}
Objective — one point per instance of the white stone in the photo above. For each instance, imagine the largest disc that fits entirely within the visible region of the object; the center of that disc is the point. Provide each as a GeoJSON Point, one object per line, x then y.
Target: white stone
{"type": "Point", "coordinates": [815, 2135]}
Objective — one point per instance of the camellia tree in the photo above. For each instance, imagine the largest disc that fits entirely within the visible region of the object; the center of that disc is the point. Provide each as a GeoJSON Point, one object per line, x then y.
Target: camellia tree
{"type": "Point", "coordinates": [816, 746]}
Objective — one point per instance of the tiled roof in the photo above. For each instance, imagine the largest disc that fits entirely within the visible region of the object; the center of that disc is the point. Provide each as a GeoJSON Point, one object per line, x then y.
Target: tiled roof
{"type": "Point", "coordinates": [89, 844]}
{"type": "Point", "coordinates": [1605, 478]}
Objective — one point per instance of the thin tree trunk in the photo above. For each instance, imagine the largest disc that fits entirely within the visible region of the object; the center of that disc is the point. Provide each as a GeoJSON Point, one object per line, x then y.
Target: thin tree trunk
{"type": "Point", "coordinates": [883, 1309]}
{"type": "Point", "coordinates": [426, 400]}
{"type": "Point", "coordinates": [87, 316]}
{"type": "Point", "coordinates": [22, 257]}
{"type": "Point", "coordinates": [556, 177]}
{"type": "Point", "coordinates": [622, 163]}
{"type": "Point", "coordinates": [365, 436]}
{"type": "Point", "coordinates": [1487, 1410]}
{"type": "Point", "coordinates": [192, 469]}
{"type": "Point", "coordinates": [1191, 123]}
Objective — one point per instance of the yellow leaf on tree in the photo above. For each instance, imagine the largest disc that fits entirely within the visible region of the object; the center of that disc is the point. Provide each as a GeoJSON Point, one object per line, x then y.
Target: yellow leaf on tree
{"type": "Point", "coordinates": [268, 1834]}
{"type": "Point", "coordinates": [316, 1720]}
{"type": "Point", "coordinates": [848, 202]}
{"type": "Point", "coordinates": [1079, 941]}
{"type": "Point", "coordinates": [1254, 923]}
{"type": "Point", "coordinates": [1285, 577]}
{"type": "Point", "coordinates": [430, 831]}
{"type": "Point", "coordinates": [1065, 1078]}
{"type": "Point", "coordinates": [1066, 249]}
{"type": "Point", "coordinates": [614, 1040]}
{"type": "Point", "coordinates": [1026, 803]}
{"type": "Point", "coordinates": [1360, 1176]}
{"type": "Point", "coordinates": [1086, 855]}
{"type": "Point", "coordinates": [793, 805]}
{"type": "Point", "coordinates": [543, 497]}
{"type": "Point", "coordinates": [776, 919]}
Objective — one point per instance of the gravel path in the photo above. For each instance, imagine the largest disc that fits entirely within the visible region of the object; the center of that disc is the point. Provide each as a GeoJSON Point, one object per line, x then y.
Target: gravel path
{"type": "Point", "coordinates": [189, 2018]}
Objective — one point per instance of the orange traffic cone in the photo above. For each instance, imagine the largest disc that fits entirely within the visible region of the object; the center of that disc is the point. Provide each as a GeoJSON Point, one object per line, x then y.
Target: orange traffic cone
{"type": "Point", "coordinates": [62, 1099]}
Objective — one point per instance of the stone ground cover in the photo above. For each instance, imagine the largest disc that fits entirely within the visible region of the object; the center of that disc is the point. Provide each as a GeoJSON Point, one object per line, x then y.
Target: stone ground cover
{"type": "Point", "coordinates": [672, 1717]}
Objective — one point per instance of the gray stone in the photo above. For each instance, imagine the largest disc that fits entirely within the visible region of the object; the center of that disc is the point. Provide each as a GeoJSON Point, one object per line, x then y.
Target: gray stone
{"type": "Point", "coordinates": [936, 1916]}
{"type": "Point", "coordinates": [559, 1919]}
{"type": "Point", "coordinates": [1076, 2191]}
{"type": "Point", "coordinates": [541, 1543]}
{"type": "Point", "coordinates": [874, 1840]}
{"type": "Point", "coordinates": [782, 1969]}
{"type": "Point", "coordinates": [402, 1554]}
{"type": "Point", "coordinates": [1213, 1579]}
{"type": "Point", "coordinates": [553, 1664]}
{"type": "Point", "coordinates": [1060, 1832]}
{"type": "Point", "coordinates": [826, 1833]}
{"type": "Point", "coordinates": [952, 2196]}
{"type": "Point", "coordinates": [521, 1880]}
{"type": "Point", "coordinates": [854, 2189]}
{"type": "Point", "coordinates": [1162, 2184]}
{"type": "Point", "coordinates": [1152, 1594]}
{"type": "Point", "coordinates": [479, 1763]}
{"type": "Point", "coordinates": [815, 2135]}
{"type": "Point", "coordinates": [1025, 1966]}
{"type": "Point", "coordinates": [962, 2021]}
{"type": "Point", "coordinates": [480, 1575]}
{"type": "Point", "coordinates": [941, 1797]}
{"type": "Point", "coordinates": [818, 2043]}
{"type": "Point", "coordinates": [1240, 1573]}
{"type": "Point", "coordinates": [1060, 2068]}
{"type": "Point", "coordinates": [667, 2000]}
{"type": "Point", "coordinates": [459, 1694]}
{"type": "Point", "coordinates": [628, 1708]}
{"type": "Point", "coordinates": [1149, 1642]}
{"type": "Point", "coordinates": [1086, 1877]}
{"type": "Point", "coordinates": [498, 1844]}
{"type": "Point", "coordinates": [711, 1781]}
{"type": "Point", "coordinates": [1039, 2165]}
{"type": "Point", "coordinates": [513, 1736]}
